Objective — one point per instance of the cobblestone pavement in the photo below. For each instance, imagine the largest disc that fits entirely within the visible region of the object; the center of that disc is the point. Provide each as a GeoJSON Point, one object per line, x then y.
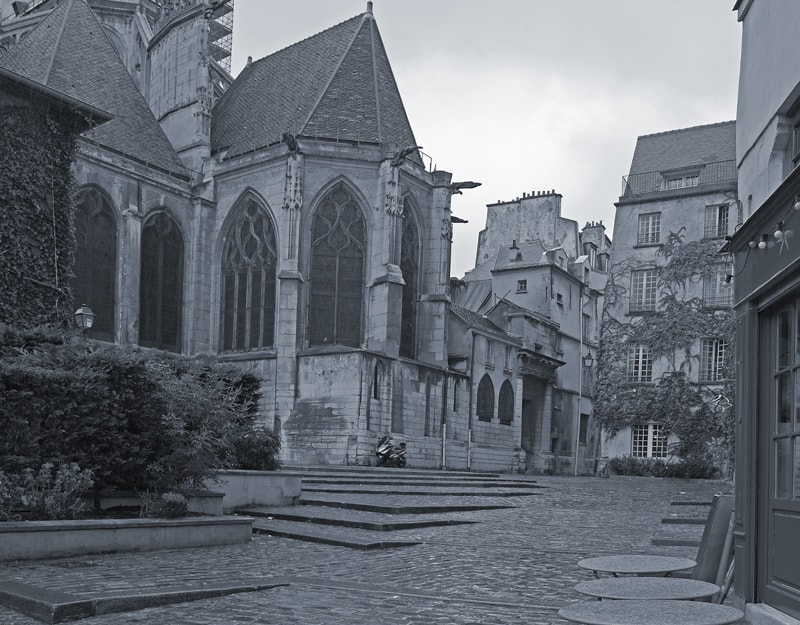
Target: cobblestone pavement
{"type": "Point", "coordinates": [514, 566]}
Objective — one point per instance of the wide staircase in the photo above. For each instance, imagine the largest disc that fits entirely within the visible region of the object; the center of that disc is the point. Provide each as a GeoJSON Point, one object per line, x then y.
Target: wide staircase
{"type": "Point", "coordinates": [372, 508]}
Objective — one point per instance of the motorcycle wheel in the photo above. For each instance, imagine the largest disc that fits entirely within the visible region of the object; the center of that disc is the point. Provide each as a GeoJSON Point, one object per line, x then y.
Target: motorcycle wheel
{"type": "Point", "coordinates": [401, 463]}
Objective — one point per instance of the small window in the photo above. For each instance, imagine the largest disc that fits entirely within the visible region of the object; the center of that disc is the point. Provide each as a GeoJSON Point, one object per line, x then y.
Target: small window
{"type": "Point", "coordinates": [640, 364]}
{"type": "Point", "coordinates": [522, 286]}
{"type": "Point", "coordinates": [716, 221]}
{"type": "Point", "coordinates": [559, 299]}
{"type": "Point", "coordinates": [649, 229]}
{"type": "Point", "coordinates": [583, 434]}
{"type": "Point", "coordinates": [681, 182]}
{"type": "Point", "coordinates": [717, 291]}
{"type": "Point", "coordinates": [643, 290]}
{"type": "Point", "coordinates": [649, 441]}
{"type": "Point", "coordinates": [557, 398]}
{"type": "Point", "coordinates": [712, 359]}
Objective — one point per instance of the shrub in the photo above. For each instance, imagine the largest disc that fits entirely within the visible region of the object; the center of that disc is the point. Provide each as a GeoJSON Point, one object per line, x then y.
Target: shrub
{"type": "Point", "coordinates": [255, 449]}
{"type": "Point", "coordinates": [138, 422]}
{"type": "Point", "coordinates": [657, 467]}
{"type": "Point", "coordinates": [163, 505]}
{"type": "Point", "coordinates": [44, 494]}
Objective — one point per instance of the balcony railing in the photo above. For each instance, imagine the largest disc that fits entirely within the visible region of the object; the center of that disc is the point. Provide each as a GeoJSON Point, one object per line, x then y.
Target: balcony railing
{"type": "Point", "coordinates": [655, 181]}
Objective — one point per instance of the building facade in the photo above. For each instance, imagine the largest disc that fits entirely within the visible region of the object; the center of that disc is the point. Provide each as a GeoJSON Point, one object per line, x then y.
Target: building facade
{"type": "Point", "coordinates": [540, 278]}
{"type": "Point", "coordinates": [283, 220]}
{"type": "Point", "coordinates": [667, 318]}
{"type": "Point", "coordinates": [767, 304]}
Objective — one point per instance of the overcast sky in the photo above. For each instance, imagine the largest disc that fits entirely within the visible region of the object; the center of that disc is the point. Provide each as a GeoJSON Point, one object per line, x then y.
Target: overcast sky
{"type": "Point", "coordinates": [532, 95]}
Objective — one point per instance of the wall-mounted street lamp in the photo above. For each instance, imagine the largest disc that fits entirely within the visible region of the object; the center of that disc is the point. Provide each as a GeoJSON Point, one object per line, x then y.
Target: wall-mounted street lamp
{"type": "Point", "coordinates": [84, 318]}
{"type": "Point", "coordinates": [588, 359]}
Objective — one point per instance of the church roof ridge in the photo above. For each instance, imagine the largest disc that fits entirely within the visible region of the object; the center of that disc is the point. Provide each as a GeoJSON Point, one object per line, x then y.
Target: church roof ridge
{"type": "Point", "coordinates": [334, 85]}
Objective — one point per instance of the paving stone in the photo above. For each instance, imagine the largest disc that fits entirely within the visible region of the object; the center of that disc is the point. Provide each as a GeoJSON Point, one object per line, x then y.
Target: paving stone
{"type": "Point", "coordinates": [507, 566]}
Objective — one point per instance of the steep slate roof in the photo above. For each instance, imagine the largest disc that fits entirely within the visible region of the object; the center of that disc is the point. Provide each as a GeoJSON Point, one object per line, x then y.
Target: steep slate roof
{"type": "Point", "coordinates": [476, 320]}
{"type": "Point", "coordinates": [337, 84]}
{"type": "Point", "coordinates": [674, 149]}
{"type": "Point", "coordinates": [527, 253]}
{"type": "Point", "coordinates": [69, 53]}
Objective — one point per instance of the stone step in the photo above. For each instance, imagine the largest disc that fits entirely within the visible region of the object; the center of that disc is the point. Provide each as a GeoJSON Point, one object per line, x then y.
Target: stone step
{"type": "Point", "coordinates": [683, 521]}
{"type": "Point", "coordinates": [353, 538]}
{"type": "Point", "coordinates": [411, 490]}
{"type": "Point", "coordinates": [405, 472]}
{"type": "Point", "coordinates": [400, 481]}
{"type": "Point", "coordinates": [373, 521]}
{"type": "Point", "coordinates": [392, 505]}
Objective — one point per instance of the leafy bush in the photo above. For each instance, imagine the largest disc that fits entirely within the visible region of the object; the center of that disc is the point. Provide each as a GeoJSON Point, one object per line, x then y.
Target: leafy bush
{"type": "Point", "coordinates": [138, 422]}
{"type": "Point", "coordinates": [44, 494]}
{"type": "Point", "coordinates": [657, 467]}
{"type": "Point", "coordinates": [255, 449]}
{"type": "Point", "coordinates": [163, 505]}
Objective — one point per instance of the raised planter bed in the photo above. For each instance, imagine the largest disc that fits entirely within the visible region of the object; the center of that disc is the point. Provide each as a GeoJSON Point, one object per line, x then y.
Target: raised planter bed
{"type": "Point", "coordinates": [256, 488]}
{"type": "Point", "coordinates": [31, 540]}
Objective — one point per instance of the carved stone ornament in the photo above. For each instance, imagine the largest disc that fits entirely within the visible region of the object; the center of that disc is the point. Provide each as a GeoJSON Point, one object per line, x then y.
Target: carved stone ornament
{"type": "Point", "coordinates": [391, 203]}
{"type": "Point", "coordinates": [447, 229]}
{"type": "Point", "coordinates": [293, 184]}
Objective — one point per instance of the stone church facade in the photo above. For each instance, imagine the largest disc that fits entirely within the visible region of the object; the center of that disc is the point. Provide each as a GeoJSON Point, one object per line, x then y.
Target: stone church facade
{"type": "Point", "coordinates": [283, 220]}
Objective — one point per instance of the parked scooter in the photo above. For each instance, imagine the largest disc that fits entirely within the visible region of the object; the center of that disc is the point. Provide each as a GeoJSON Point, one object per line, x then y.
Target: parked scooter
{"type": "Point", "coordinates": [389, 454]}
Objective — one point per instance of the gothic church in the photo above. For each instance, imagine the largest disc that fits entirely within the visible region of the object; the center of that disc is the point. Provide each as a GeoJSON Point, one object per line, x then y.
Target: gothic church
{"type": "Point", "coordinates": [283, 220]}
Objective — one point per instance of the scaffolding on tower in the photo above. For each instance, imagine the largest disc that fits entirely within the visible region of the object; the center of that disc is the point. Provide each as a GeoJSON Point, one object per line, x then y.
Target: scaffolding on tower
{"type": "Point", "coordinates": [220, 35]}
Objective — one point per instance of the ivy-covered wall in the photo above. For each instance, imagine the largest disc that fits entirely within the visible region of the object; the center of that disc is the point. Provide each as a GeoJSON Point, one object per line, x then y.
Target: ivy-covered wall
{"type": "Point", "coordinates": [701, 415]}
{"type": "Point", "coordinates": [36, 211]}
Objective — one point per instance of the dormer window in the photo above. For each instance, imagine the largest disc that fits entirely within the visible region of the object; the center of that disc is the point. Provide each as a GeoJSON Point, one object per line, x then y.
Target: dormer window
{"type": "Point", "coordinates": [681, 181]}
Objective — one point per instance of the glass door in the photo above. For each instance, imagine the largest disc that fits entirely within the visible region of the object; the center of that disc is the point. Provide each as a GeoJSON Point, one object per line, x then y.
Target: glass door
{"type": "Point", "coordinates": [779, 514]}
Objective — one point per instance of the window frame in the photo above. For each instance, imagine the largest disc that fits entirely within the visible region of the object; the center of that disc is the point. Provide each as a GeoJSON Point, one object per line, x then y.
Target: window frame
{"type": "Point", "coordinates": [639, 365]}
{"type": "Point", "coordinates": [649, 229]}
{"type": "Point", "coordinates": [644, 291]}
{"type": "Point", "coordinates": [652, 441]}
{"type": "Point", "coordinates": [713, 359]}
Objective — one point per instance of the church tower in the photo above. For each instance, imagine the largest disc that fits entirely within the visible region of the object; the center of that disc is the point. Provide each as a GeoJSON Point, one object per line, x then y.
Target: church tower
{"type": "Point", "coordinates": [191, 42]}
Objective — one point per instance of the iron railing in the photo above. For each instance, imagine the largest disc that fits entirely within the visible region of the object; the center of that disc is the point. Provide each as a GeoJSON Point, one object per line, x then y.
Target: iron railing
{"type": "Point", "coordinates": [655, 181]}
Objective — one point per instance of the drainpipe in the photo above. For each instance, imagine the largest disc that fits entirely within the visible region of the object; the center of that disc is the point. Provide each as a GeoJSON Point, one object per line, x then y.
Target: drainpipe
{"type": "Point", "coordinates": [471, 371]}
{"type": "Point", "coordinates": [580, 381]}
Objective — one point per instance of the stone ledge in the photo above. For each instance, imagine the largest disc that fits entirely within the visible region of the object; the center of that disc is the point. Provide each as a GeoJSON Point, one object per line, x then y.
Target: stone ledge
{"type": "Point", "coordinates": [57, 607]}
{"type": "Point", "coordinates": [32, 540]}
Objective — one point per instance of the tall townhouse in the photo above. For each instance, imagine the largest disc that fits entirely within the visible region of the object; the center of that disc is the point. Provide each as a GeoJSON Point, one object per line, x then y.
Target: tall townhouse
{"type": "Point", "coordinates": [539, 278]}
{"type": "Point", "coordinates": [766, 284]}
{"type": "Point", "coordinates": [666, 330]}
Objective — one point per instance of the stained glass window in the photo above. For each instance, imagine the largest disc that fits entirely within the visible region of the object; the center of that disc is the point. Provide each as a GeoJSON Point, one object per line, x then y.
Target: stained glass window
{"type": "Point", "coordinates": [161, 284]}
{"type": "Point", "coordinates": [485, 403]}
{"type": "Point", "coordinates": [409, 265]}
{"type": "Point", "coordinates": [338, 241]}
{"type": "Point", "coordinates": [249, 266]}
{"type": "Point", "coordinates": [96, 260]}
{"type": "Point", "coordinates": [505, 405]}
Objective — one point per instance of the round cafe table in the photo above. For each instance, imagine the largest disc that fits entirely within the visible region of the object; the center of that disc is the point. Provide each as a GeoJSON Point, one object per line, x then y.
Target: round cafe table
{"type": "Point", "coordinates": [631, 564]}
{"type": "Point", "coordinates": [647, 588]}
{"type": "Point", "coordinates": [651, 612]}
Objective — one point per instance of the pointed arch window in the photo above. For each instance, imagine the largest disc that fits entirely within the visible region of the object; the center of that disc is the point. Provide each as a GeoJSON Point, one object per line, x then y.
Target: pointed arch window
{"type": "Point", "coordinates": [249, 278]}
{"type": "Point", "coordinates": [505, 403]}
{"type": "Point", "coordinates": [161, 284]}
{"type": "Point", "coordinates": [338, 241]}
{"type": "Point", "coordinates": [409, 266]}
{"type": "Point", "coordinates": [485, 403]}
{"type": "Point", "coordinates": [95, 265]}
